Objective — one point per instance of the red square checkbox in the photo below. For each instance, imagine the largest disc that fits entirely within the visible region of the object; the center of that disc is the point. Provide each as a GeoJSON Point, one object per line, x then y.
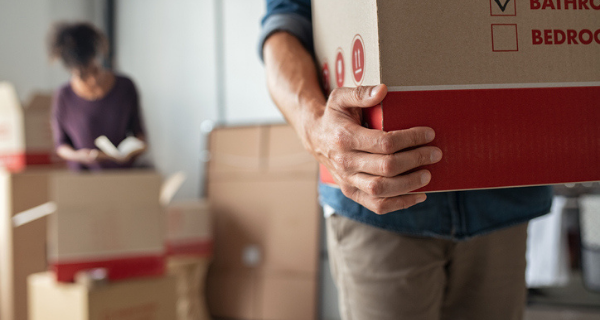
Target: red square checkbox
{"type": "Point", "coordinates": [505, 38]}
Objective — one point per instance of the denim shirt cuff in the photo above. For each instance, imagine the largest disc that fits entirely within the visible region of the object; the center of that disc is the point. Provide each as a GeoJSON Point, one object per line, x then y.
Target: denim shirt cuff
{"type": "Point", "coordinates": [294, 24]}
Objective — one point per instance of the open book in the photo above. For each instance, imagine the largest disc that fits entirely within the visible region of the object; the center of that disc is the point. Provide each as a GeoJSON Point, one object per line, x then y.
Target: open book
{"type": "Point", "coordinates": [128, 146]}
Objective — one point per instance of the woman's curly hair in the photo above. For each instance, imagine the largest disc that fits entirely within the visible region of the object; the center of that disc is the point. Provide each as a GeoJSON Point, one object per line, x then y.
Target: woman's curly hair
{"type": "Point", "coordinates": [76, 44]}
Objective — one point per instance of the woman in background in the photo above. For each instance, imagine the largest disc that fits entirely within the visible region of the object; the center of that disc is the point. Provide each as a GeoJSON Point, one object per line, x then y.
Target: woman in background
{"type": "Point", "coordinates": [93, 103]}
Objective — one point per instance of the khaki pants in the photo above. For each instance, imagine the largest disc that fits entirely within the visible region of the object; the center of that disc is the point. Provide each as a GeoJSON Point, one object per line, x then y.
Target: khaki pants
{"type": "Point", "coordinates": [384, 275]}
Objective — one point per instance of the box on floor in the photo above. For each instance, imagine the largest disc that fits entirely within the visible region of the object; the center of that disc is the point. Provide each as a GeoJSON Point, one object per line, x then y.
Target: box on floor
{"type": "Point", "coordinates": [22, 249]}
{"type": "Point", "coordinates": [512, 88]}
{"type": "Point", "coordinates": [143, 298]}
{"type": "Point", "coordinates": [190, 277]}
{"type": "Point", "coordinates": [262, 187]}
{"type": "Point", "coordinates": [25, 133]}
{"type": "Point", "coordinates": [111, 220]}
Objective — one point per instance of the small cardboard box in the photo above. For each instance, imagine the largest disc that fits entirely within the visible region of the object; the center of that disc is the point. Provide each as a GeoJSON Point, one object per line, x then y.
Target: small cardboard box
{"type": "Point", "coordinates": [39, 147]}
{"type": "Point", "coordinates": [25, 133]}
{"type": "Point", "coordinates": [189, 228]}
{"type": "Point", "coordinates": [23, 249]}
{"type": "Point", "coordinates": [12, 135]}
{"type": "Point", "coordinates": [512, 88]}
{"type": "Point", "coordinates": [190, 275]}
{"type": "Point", "coordinates": [111, 220]}
{"type": "Point", "coordinates": [262, 188]}
{"type": "Point", "coordinates": [152, 298]}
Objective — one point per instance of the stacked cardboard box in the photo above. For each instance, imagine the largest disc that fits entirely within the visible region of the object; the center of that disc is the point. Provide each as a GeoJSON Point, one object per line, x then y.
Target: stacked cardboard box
{"type": "Point", "coordinates": [262, 186]}
{"type": "Point", "coordinates": [189, 228]}
{"type": "Point", "coordinates": [25, 134]}
{"type": "Point", "coordinates": [512, 88]}
{"type": "Point", "coordinates": [23, 249]}
{"type": "Point", "coordinates": [150, 298]}
{"type": "Point", "coordinates": [189, 246]}
{"type": "Point", "coordinates": [111, 220]}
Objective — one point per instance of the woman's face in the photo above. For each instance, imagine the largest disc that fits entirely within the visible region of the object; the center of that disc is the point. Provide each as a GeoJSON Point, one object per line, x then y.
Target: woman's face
{"type": "Point", "coordinates": [91, 75]}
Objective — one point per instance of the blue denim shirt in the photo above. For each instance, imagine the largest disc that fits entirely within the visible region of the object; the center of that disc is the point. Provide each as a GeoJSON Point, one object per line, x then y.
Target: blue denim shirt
{"type": "Point", "coordinates": [450, 215]}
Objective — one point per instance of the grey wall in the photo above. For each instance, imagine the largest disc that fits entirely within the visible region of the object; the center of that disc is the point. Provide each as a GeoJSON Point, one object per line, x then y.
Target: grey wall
{"type": "Point", "coordinates": [24, 25]}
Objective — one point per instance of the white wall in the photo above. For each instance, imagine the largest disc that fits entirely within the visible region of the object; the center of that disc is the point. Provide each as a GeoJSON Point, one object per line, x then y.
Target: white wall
{"type": "Point", "coordinates": [246, 97]}
{"type": "Point", "coordinates": [168, 49]}
{"type": "Point", "coordinates": [24, 25]}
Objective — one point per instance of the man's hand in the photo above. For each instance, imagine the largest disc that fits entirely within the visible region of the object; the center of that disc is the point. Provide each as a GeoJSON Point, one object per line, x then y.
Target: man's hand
{"type": "Point", "coordinates": [371, 166]}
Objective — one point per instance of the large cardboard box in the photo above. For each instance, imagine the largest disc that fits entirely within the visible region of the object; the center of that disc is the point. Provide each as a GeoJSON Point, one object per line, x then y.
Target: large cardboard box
{"type": "Point", "coordinates": [189, 228]}
{"type": "Point", "coordinates": [262, 187]}
{"type": "Point", "coordinates": [23, 249]}
{"type": "Point", "coordinates": [512, 88]}
{"type": "Point", "coordinates": [25, 133]}
{"type": "Point", "coordinates": [152, 299]}
{"type": "Point", "coordinates": [111, 220]}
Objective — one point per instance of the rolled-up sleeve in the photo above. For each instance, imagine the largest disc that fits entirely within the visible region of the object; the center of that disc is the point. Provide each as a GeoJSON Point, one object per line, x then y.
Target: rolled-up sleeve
{"type": "Point", "coordinates": [59, 134]}
{"type": "Point", "coordinates": [292, 16]}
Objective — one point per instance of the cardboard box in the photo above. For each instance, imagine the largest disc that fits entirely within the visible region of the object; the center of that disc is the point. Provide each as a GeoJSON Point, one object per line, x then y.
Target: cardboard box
{"type": "Point", "coordinates": [111, 220]}
{"type": "Point", "coordinates": [256, 294]}
{"type": "Point", "coordinates": [512, 88]}
{"type": "Point", "coordinates": [39, 147]}
{"type": "Point", "coordinates": [152, 298]}
{"type": "Point", "coordinates": [190, 275]}
{"type": "Point", "coordinates": [12, 136]}
{"type": "Point", "coordinates": [262, 187]}
{"type": "Point", "coordinates": [25, 133]}
{"type": "Point", "coordinates": [189, 228]}
{"type": "Point", "coordinates": [23, 249]}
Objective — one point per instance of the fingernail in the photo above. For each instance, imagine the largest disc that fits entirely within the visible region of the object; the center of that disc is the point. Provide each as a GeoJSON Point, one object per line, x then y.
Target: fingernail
{"type": "Point", "coordinates": [430, 135]}
{"type": "Point", "coordinates": [436, 155]}
{"type": "Point", "coordinates": [425, 177]}
{"type": "Point", "coordinates": [421, 198]}
{"type": "Point", "coordinates": [375, 90]}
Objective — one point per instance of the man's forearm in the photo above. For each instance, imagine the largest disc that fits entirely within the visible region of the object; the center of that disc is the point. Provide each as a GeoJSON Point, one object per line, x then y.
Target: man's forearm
{"type": "Point", "coordinates": [293, 82]}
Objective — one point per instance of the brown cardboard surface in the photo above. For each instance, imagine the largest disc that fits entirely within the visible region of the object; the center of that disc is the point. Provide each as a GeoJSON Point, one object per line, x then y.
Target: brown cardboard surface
{"type": "Point", "coordinates": [256, 295]}
{"type": "Point", "coordinates": [12, 140]}
{"type": "Point", "coordinates": [236, 151]}
{"type": "Point", "coordinates": [280, 217]}
{"type": "Point", "coordinates": [335, 35]}
{"type": "Point", "coordinates": [22, 249]}
{"type": "Point", "coordinates": [189, 227]}
{"type": "Point", "coordinates": [234, 295]}
{"type": "Point", "coordinates": [38, 134]}
{"type": "Point", "coordinates": [299, 301]}
{"type": "Point", "coordinates": [266, 224]}
{"type": "Point", "coordinates": [286, 154]}
{"type": "Point", "coordinates": [190, 276]}
{"type": "Point", "coordinates": [152, 298]}
{"type": "Point", "coordinates": [103, 217]}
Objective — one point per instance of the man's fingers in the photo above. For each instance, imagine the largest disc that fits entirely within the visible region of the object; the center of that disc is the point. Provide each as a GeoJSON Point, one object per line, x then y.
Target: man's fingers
{"type": "Point", "coordinates": [387, 205]}
{"type": "Point", "coordinates": [359, 97]}
{"type": "Point", "coordinates": [388, 165]}
{"type": "Point", "coordinates": [359, 138]}
{"type": "Point", "coordinates": [380, 187]}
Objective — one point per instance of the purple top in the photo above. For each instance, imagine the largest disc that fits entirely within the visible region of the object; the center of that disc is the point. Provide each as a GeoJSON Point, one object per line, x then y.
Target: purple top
{"type": "Point", "coordinates": [78, 122]}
